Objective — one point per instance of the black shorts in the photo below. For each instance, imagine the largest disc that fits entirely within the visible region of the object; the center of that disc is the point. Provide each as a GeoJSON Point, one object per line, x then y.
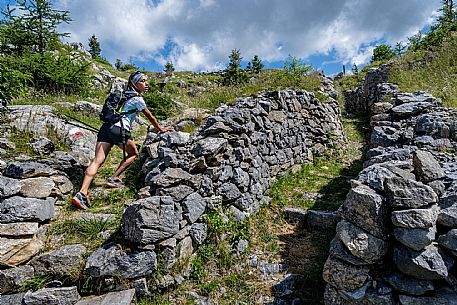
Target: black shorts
{"type": "Point", "coordinates": [112, 134]}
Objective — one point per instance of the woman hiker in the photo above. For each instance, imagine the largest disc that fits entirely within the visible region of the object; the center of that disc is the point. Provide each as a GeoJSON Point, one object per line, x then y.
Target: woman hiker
{"type": "Point", "coordinates": [110, 135]}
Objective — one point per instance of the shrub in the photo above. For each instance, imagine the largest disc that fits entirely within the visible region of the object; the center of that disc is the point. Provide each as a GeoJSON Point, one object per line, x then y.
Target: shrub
{"type": "Point", "coordinates": [160, 104]}
{"type": "Point", "coordinates": [382, 52]}
{"type": "Point", "coordinates": [13, 82]}
{"type": "Point", "coordinates": [56, 73]}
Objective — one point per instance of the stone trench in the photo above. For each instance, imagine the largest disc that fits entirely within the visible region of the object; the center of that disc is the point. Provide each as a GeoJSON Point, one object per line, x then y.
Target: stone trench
{"type": "Point", "coordinates": [396, 242]}
{"type": "Point", "coordinates": [226, 166]}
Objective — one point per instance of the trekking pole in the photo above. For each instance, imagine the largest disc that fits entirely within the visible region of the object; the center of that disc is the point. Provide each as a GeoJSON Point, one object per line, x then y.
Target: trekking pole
{"type": "Point", "coordinates": [87, 126]}
{"type": "Point", "coordinates": [83, 127]}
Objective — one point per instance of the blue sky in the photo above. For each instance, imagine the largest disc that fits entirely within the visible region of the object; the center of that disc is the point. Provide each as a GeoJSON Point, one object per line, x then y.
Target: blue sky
{"type": "Point", "coordinates": [198, 35]}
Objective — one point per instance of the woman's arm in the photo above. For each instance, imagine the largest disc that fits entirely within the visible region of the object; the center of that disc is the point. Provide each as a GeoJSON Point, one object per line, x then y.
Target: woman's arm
{"type": "Point", "coordinates": [154, 122]}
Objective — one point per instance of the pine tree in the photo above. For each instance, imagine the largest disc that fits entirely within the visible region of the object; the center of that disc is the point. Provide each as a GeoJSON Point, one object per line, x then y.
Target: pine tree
{"type": "Point", "coordinates": [169, 68]}
{"type": "Point", "coordinates": [448, 15]}
{"type": "Point", "coordinates": [94, 47]}
{"type": "Point", "coordinates": [257, 64]}
{"type": "Point", "coordinates": [355, 69]}
{"type": "Point", "coordinates": [234, 74]}
{"type": "Point", "coordinates": [32, 26]}
{"type": "Point", "coordinates": [249, 67]}
{"type": "Point", "coordinates": [118, 65]}
{"type": "Point", "coordinates": [399, 48]}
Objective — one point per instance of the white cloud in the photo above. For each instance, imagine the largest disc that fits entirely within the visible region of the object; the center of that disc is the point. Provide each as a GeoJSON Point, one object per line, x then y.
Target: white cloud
{"type": "Point", "coordinates": [203, 32]}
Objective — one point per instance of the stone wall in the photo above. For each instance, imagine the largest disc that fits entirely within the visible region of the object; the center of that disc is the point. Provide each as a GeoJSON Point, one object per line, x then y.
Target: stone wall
{"type": "Point", "coordinates": [361, 99]}
{"type": "Point", "coordinates": [227, 167]}
{"type": "Point", "coordinates": [396, 242]}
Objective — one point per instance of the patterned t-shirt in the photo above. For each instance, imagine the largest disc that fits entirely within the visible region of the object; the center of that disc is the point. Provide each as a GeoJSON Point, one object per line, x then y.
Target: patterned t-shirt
{"type": "Point", "coordinates": [137, 103]}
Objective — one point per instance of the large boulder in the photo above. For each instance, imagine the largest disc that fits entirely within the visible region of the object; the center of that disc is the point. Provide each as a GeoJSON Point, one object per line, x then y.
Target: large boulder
{"type": "Point", "coordinates": [111, 260]}
{"type": "Point", "coordinates": [61, 262]}
{"type": "Point", "coordinates": [152, 219]}
{"type": "Point", "coordinates": [17, 209]}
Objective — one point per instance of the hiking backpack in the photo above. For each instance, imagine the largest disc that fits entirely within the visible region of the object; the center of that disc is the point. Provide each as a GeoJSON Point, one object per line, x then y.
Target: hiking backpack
{"type": "Point", "coordinates": [111, 112]}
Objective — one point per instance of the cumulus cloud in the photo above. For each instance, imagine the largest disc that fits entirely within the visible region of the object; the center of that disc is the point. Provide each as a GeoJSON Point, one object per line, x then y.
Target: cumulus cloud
{"type": "Point", "coordinates": [199, 34]}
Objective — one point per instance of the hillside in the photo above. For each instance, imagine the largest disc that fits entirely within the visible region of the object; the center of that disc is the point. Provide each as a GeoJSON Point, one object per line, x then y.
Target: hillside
{"type": "Point", "coordinates": [279, 139]}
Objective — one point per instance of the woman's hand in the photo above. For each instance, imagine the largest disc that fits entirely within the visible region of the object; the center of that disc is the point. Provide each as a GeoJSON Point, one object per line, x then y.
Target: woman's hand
{"type": "Point", "coordinates": [165, 129]}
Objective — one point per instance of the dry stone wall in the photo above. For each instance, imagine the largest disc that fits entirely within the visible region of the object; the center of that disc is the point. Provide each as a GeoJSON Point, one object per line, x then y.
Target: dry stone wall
{"type": "Point", "coordinates": [396, 242]}
{"type": "Point", "coordinates": [227, 166]}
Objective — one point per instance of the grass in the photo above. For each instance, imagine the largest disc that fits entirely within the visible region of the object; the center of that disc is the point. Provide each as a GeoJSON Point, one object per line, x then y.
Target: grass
{"type": "Point", "coordinates": [207, 91]}
{"type": "Point", "coordinates": [82, 232]}
{"type": "Point", "coordinates": [434, 70]}
{"type": "Point", "coordinates": [21, 140]}
{"type": "Point", "coordinates": [324, 184]}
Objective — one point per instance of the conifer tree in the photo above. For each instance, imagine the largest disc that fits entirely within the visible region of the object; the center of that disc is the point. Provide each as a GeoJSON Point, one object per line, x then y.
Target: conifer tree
{"type": "Point", "coordinates": [94, 47]}
{"type": "Point", "coordinates": [118, 65]}
{"type": "Point", "coordinates": [399, 48]}
{"type": "Point", "coordinates": [169, 68]}
{"type": "Point", "coordinates": [31, 25]}
{"type": "Point", "coordinates": [257, 64]}
{"type": "Point", "coordinates": [249, 67]}
{"type": "Point", "coordinates": [448, 14]}
{"type": "Point", "coordinates": [355, 69]}
{"type": "Point", "coordinates": [234, 74]}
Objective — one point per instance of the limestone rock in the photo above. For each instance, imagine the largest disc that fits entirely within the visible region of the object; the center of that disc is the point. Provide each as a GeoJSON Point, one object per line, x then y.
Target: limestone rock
{"type": "Point", "coordinates": [409, 285]}
{"type": "Point", "coordinates": [124, 297]}
{"type": "Point", "coordinates": [449, 240]}
{"type": "Point", "coordinates": [9, 186]}
{"type": "Point", "coordinates": [426, 166]}
{"type": "Point", "coordinates": [426, 264]}
{"type": "Point", "coordinates": [209, 146]}
{"type": "Point", "coordinates": [442, 297]}
{"type": "Point", "coordinates": [343, 275]}
{"type": "Point", "coordinates": [193, 207]}
{"type": "Point", "coordinates": [60, 262]}
{"type": "Point", "coordinates": [11, 279]}
{"type": "Point", "coordinates": [416, 239]}
{"type": "Point", "coordinates": [170, 177]}
{"type": "Point", "coordinates": [406, 193]}
{"type": "Point", "coordinates": [360, 243]}
{"type": "Point", "coordinates": [22, 170]}
{"type": "Point", "coordinates": [367, 209]}
{"type": "Point", "coordinates": [322, 220]}
{"type": "Point", "coordinates": [17, 229]}
{"type": "Point", "coordinates": [415, 218]}
{"type": "Point", "coordinates": [111, 260]}
{"type": "Point", "coordinates": [229, 192]}
{"type": "Point", "coordinates": [42, 146]}
{"type": "Point", "coordinates": [16, 251]}
{"type": "Point", "coordinates": [39, 187]}
{"type": "Point", "coordinates": [151, 220]}
{"type": "Point", "coordinates": [198, 232]}
{"type": "Point", "coordinates": [12, 299]}
{"type": "Point", "coordinates": [52, 296]}
{"type": "Point", "coordinates": [18, 209]}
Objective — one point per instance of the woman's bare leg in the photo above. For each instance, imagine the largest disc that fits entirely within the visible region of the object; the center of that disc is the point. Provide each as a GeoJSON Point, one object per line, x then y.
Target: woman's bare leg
{"type": "Point", "coordinates": [132, 153]}
{"type": "Point", "coordinates": [101, 151]}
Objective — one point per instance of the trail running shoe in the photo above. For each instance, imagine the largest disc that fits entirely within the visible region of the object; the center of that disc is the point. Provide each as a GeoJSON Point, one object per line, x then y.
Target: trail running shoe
{"type": "Point", "coordinates": [81, 201]}
{"type": "Point", "coordinates": [113, 183]}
